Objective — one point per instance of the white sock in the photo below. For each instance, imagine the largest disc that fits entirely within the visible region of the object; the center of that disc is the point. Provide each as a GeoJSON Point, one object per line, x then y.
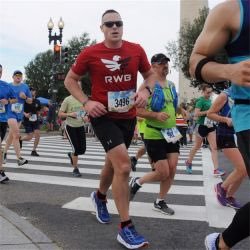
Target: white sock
{"type": "Point", "coordinates": [137, 181]}
{"type": "Point", "coordinates": [158, 200]}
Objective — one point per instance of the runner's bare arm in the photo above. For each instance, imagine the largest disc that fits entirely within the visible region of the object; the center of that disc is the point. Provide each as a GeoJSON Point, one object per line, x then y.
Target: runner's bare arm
{"type": "Point", "coordinates": [217, 105]}
{"type": "Point", "coordinates": [93, 108]}
{"type": "Point", "coordinates": [142, 95]}
{"type": "Point", "coordinates": [160, 116]}
{"type": "Point", "coordinates": [216, 33]}
{"type": "Point", "coordinates": [71, 84]}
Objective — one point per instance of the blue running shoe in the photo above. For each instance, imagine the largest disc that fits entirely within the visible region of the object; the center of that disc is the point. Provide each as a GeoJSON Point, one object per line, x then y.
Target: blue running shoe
{"type": "Point", "coordinates": [188, 167]}
{"type": "Point", "coordinates": [101, 211]}
{"type": "Point", "coordinates": [129, 238]}
{"type": "Point", "coordinates": [210, 241]}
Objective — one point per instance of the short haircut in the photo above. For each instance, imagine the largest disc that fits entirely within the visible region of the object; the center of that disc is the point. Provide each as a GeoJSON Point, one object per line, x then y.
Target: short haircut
{"type": "Point", "coordinates": [109, 11]}
{"type": "Point", "coordinates": [205, 86]}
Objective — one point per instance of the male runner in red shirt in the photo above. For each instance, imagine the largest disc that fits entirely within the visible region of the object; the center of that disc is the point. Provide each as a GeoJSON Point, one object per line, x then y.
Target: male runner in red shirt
{"type": "Point", "coordinates": [113, 66]}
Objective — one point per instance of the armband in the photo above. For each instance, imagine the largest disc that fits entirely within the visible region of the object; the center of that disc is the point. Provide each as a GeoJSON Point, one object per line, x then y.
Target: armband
{"type": "Point", "coordinates": [199, 67]}
{"type": "Point", "coordinates": [149, 90]}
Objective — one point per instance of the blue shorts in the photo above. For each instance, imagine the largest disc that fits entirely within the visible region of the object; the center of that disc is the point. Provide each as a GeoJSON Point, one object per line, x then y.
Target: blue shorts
{"type": "Point", "coordinates": [17, 116]}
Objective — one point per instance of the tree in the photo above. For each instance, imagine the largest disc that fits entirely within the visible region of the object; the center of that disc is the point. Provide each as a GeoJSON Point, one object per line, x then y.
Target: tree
{"type": "Point", "coordinates": [180, 50]}
{"type": "Point", "coordinates": [39, 70]}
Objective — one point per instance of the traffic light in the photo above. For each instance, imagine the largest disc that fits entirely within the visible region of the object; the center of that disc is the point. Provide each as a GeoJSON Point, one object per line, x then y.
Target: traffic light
{"type": "Point", "coordinates": [57, 53]}
{"type": "Point", "coordinates": [65, 55]}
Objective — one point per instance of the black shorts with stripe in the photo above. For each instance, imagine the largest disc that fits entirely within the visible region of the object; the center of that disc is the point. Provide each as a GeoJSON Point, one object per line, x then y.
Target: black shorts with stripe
{"type": "Point", "coordinates": [113, 132]}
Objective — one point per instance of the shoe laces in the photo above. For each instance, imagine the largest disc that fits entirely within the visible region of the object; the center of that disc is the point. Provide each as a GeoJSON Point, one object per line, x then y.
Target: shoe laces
{"type": "Point", "coordinates": [130, 232]}
{"type": "Point", "coordinates": [162, 204]}
{"type": "Point", "coordinates": [103, 207]}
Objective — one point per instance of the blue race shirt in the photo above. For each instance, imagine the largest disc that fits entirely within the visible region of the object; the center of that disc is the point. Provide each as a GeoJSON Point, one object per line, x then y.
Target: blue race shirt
{"type": "Point", "coordinates": [22, 87]}
{"type": "Point", "coordinates": [239, 50]}
{"type": "Point", "coordinates": [6, 92]}
{"type": "Point", "coordinates": [223, 128]}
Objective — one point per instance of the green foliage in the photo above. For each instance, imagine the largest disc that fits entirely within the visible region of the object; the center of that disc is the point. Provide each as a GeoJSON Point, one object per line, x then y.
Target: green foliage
{"type": "Point", "coordinates": [181, 49]}
{"type": "Point", "coordinates": [39, 70]}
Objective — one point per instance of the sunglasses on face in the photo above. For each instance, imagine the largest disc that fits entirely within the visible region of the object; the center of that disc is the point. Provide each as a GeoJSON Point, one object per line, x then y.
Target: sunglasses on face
{"type": "Point", "coordinates": [110, 24]}
{"type": "Point", "coordinates": [18, 75]}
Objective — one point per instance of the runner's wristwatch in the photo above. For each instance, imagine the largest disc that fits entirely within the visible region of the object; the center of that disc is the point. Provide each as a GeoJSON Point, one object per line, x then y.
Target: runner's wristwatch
{"type": "Point", "coordinates": [149, 90]}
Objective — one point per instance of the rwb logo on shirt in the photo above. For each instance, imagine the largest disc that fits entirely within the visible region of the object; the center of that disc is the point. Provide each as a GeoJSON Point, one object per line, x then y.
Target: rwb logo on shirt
{"type": "Point", "coordinates": [116, 64]}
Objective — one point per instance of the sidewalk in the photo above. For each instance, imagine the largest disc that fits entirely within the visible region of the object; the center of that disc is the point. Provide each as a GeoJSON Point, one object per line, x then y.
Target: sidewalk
{"type": "Point", "coordinates": [17, 233]}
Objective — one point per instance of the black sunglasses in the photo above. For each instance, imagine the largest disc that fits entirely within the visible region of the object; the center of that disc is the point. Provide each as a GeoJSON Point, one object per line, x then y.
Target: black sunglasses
{"type": "Point", "coordinates": [110, 24]}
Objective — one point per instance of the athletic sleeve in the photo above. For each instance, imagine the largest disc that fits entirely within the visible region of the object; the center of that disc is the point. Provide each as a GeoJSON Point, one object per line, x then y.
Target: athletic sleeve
{"type": "Point", "coordinates": [199, 104]}
{"type": "Point", "coordinates": [144, 65]}
{"type": "Point", "coordinates": [64, 105]}
{"type": "Point", "coordinates": [80, 67]}
{"type": "Point", "coordinates": [11, 93]}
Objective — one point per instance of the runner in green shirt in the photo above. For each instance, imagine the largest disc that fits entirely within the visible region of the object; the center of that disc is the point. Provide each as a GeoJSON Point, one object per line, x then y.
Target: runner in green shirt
{"type": "Point", "coordinates": [161, 137]}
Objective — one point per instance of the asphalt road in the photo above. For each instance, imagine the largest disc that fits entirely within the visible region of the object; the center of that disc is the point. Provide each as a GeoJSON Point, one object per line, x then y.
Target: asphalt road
{"type": "Point", "coordinates": [32, 194]}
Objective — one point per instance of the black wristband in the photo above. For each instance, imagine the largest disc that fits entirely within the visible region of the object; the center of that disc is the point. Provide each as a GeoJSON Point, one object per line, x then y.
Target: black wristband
{"type": "Point", "coordinates": [199, 67]}
{"type": "Point", "coordinates": [149, 90]}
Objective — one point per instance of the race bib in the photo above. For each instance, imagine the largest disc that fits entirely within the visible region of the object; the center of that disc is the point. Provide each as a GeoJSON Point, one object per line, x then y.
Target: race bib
{"type": "Point", "coordinates": [120, 101]}
{"type": "Point", "coordinates": [171, 134]}
{"type": "Point", "coordinates": [209, 123]}
{"type": "Point", "coordinates": [2, 108]}
{"type": "Point", "coordinates": [33, 118]}
{"type": "Point", "coordinates": [80, 114]}
{"type": "Point", "coordinates": [17, 107]}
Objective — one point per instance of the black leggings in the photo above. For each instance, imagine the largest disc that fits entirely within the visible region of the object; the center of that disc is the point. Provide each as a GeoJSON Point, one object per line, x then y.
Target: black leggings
{"type": "Point", "coordinates": [243, 140]}
{"type": "Point", "coordinates": [239, 228]}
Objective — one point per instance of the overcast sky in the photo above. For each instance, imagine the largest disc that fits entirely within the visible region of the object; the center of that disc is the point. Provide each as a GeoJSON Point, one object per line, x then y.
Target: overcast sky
{"type": "Point", "coordinates": [24, 33]}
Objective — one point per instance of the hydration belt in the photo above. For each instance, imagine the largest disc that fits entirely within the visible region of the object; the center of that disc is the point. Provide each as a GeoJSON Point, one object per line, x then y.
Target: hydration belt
{"type": "Point", "coordinates": [242, 101]}
{"type": "Point", "coordinates": [149, 126]}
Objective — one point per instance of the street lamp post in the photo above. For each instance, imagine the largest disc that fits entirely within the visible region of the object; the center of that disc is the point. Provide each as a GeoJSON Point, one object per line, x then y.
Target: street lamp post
{"type": "Point", "coordinates": [57, 56]}
{"type": "Point", "coordinates": [55, 37]}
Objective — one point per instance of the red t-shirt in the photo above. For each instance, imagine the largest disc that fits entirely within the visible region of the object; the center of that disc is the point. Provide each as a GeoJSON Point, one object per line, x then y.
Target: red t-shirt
{"type": "Point", "coordinates": [112, 70]}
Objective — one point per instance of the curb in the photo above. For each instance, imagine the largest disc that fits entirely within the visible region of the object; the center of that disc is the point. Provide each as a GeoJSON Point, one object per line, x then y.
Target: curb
{"type": "Point", "coordinates": [37, 238]}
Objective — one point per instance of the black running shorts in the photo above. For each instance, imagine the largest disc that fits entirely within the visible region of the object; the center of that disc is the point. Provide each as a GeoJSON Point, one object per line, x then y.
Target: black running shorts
{"type": "Point", "coordinates": [113, 132]}
{"type": "Point", "coordinates": [158, 149]}
{"type": "Point", "coordinates": [3, 129]}
{"type": "Point", "coordinates": [203, 130]}
{"type": "Point", "coordinates": [225, 141]}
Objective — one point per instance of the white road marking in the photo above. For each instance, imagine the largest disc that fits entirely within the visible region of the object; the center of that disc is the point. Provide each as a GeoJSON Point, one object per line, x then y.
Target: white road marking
{"type": "Point", "coordinates": [218, 216]}
{"type": "Point", "coordinates": [143, 209]}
